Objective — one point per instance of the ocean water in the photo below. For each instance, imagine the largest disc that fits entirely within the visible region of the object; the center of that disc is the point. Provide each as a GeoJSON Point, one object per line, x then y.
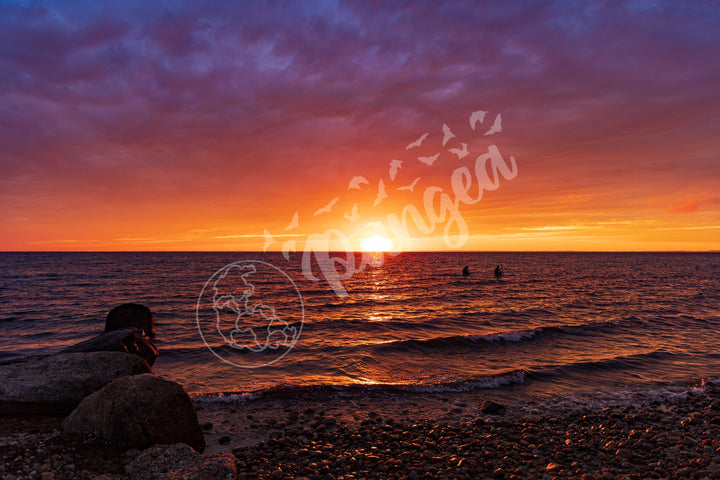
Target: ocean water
{"type": "Point", "coordinates": [555, 323]}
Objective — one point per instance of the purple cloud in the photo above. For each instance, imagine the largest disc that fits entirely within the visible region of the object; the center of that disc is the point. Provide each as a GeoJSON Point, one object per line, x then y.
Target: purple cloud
{"type": "Point", "coordinates": [200, 92]}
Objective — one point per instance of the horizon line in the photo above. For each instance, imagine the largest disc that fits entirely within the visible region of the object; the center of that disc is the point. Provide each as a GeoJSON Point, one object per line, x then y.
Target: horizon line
{"type": "Point", "coordinates": [340, 251]}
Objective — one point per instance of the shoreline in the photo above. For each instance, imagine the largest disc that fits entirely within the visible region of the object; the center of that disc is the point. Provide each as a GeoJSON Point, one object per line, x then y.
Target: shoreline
{"type": "Point", "coordinates": [439, 435]}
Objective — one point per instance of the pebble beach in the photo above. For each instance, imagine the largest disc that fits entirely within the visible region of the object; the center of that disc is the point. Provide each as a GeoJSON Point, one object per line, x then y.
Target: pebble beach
{"type": "Point", "coordinates": [331, 436]}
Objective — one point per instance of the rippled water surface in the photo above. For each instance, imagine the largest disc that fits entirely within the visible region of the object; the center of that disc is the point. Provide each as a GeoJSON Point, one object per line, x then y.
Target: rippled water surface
{"type": "Point", "coordinates": [555, 321]}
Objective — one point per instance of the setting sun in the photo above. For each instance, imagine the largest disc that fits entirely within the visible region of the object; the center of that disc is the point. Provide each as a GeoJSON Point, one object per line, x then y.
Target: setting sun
{"type": "Point", "coordinates": [377, 243]}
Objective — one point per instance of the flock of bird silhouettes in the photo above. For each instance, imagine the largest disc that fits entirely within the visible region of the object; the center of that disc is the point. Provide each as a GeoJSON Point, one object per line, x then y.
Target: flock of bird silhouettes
{"type": "Point", "coordinates": [356, 183]}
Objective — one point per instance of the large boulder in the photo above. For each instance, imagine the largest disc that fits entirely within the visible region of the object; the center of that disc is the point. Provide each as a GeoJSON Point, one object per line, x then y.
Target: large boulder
{"type": "Point", "coordinates": [131, 315]}
{"type": "Point", "coordinates": [138, 412]}
{"type": "Point", "coordinates": [180, 462]}
{"type": "Point", "coordinates": [56, 384]}
{"type": "Point", "coordinates": [128, 341]}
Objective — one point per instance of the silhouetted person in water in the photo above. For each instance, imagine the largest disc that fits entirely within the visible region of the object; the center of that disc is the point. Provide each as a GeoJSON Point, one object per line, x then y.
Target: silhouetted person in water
{"type": "Point", "coordinates": [498, 271]}
{"type": "Point", "coordinates": [466, 271]}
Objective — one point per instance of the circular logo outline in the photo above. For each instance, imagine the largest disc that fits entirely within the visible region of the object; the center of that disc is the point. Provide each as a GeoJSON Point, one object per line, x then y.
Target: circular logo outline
{"type": "Point", "coordinates": [217, 274]}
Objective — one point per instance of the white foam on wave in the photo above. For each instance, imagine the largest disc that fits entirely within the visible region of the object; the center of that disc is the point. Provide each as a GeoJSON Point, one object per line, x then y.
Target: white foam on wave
{"type": "Point", "coordinates": [636, 397]}
{"type": "Point", "coordinates": [512, 336]}
{"type": "Point", "coordinates": [489, 382]}
{"type": "Point", "coordinates": [223, 397]}
{"type": "Point", "coordinates": [443, 385]}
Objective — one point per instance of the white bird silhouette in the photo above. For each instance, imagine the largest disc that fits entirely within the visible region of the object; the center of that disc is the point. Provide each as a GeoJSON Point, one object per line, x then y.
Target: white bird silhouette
{"type": "Point", "coordinates": [268, 240]}
{"type": "Point", "coordinates": [353, 215]}
{"type": "Point", "coordinates": [447, 134]}
{"type": "Point", "coordinates": [326, 208]}
{"type": "Point", "coordinates": [381, 193]}
{"type": "Point", "coordinates": [429, 160]}
{"type": "Point", "coordinates": [288, 247]}
{"type": "Point", "coordinates": [417, 142]}
{"type": "Point", "coordinates": [356, 182]}
{"type": "Point", "coordinates": [395, 165]}
{"type": "Point", "coordinates": [293, 223]}
{"type": "Point", "coordinates": [476, 117]}
{"type": "Point", "coordinates": [496, 126]}
{"type": "Point", "coordinates": [460, 152]}
{"type": "Point", "coordinates": [410, 187]}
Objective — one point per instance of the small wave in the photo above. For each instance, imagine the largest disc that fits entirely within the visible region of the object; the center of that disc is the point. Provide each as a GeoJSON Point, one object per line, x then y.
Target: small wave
{"type": "Point", "coordinates": [638, 360]}
{"type": "Point", "coordinates": [513, 336]}
{"type": "Point", "coordinates": [515, 377]}
{"type": "Point", "coordinates": [461, 340]}
{"type": "Point", "coordinates": [183, 351]}
{"type": "Point", "coordinates": [485, 382]}
{"type": "Point", "coordinates": [638, 396]}
{"type": "Point", "coordinates": [223, 348]}
{"type": "Point", "coordinates": [434, 343]}
{"type": "Point", "coordinates": [474, 341]}
{"type": "Point", "coordinates": [223, 397]}
{"type": "Point", "coordinates": [424, 345]}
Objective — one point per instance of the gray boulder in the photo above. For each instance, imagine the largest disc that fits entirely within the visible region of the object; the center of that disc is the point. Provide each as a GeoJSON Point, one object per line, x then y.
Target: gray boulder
{"type": "Point", "coordinates": [56, 384]}
{"type": "Point", "coordinates": [180, 462]}
{"type": "Point", "coordinates": [125, 340]}
{"type": "Point", "coordinates": [138, 412]}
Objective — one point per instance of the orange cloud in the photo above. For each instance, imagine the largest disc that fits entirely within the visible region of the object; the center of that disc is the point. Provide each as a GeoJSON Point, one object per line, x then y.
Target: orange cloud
{"type": "Point", "coordinates": [694, 203]}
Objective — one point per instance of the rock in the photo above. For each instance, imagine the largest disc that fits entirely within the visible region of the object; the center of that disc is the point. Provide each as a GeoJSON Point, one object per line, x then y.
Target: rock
{"type": "Point", "coordinates": [132, 453]}
{"type": "Point", "coordinates": [216, 467]}
{"type": "Point", "coordinates": [132, 316]}
{"type": "Point", "coordinates": [157, 461]}
{"type": "Point", "coordinates": [137, 412]}
{"type": "Point", "coordinates": [124, 340]}
{"type": "Point", "coordinates": [492, 408]}
{"type": "Point", "coordinates": [552, 466]}
{"type": "Point", "coordinates": [180, 462]}
{"type": "Point", "coordinates": [55, 384]}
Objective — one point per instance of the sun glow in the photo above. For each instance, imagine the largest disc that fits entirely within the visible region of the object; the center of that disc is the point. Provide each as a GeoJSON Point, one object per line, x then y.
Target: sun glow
{"type": "Point", "coordinates": [376, 243]}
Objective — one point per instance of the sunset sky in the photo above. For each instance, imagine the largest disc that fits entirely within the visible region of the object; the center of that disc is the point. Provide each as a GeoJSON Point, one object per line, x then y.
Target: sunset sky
{"type": "Point", "coordinates": [208, 125]}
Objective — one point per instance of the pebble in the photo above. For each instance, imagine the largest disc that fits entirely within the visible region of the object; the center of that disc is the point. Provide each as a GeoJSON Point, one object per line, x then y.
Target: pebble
{"type": "Point", "coordinates": [618, 442]}
{"type": "Point", "coordinates": [499, 474]}
{"type": "Point", "coordinates": [50, 456]}
{"type": "Point", "coordinates": [497, 447]}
